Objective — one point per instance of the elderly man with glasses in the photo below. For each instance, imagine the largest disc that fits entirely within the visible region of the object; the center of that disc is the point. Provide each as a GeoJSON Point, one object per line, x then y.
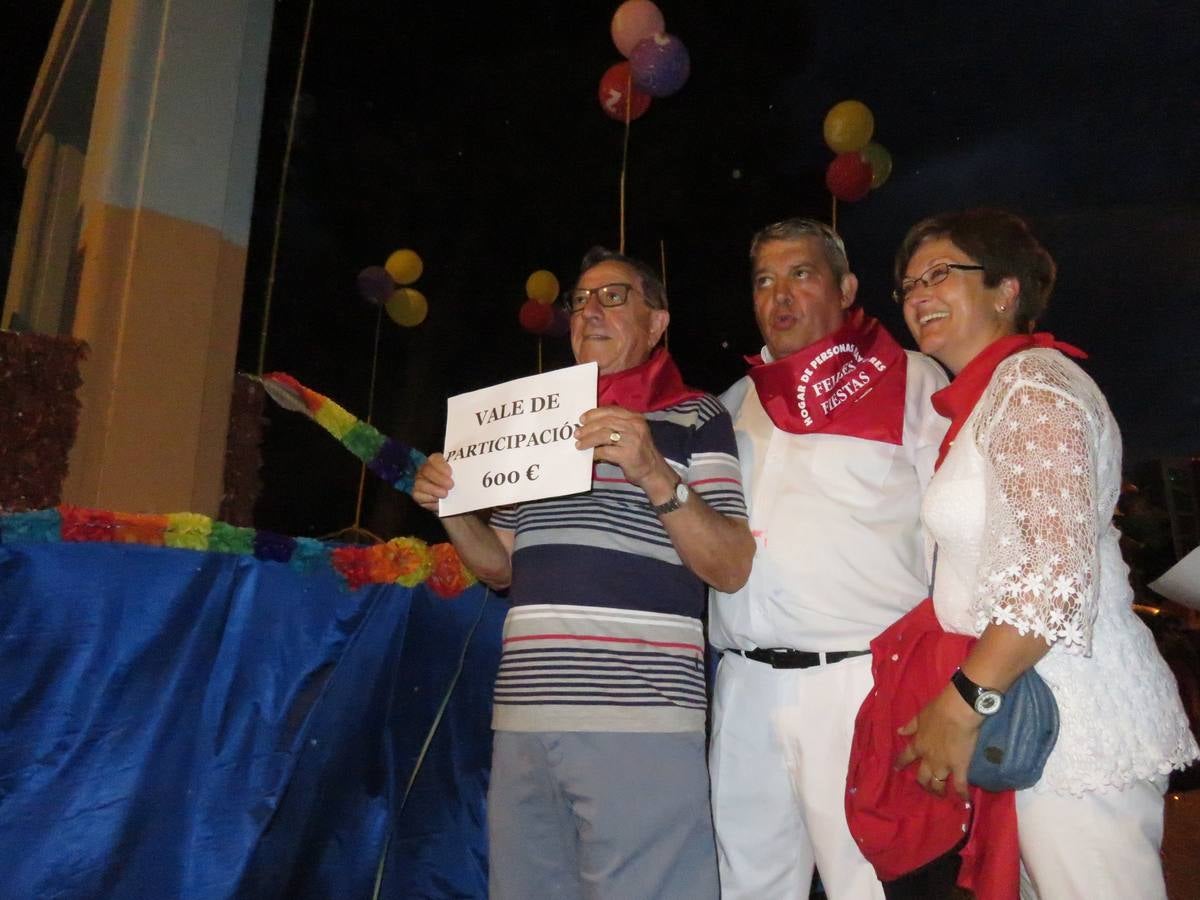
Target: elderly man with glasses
{"type": "Point", "coordinates": [837, 439]}
{"type": "Point", "coordinates": [599, 786]}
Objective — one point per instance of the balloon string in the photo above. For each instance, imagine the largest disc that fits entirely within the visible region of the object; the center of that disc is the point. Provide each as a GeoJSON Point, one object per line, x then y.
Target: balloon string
{"type": "Point", "coordinates": [375, 359]}
{"type": "Point", "coordinates": [287, 156]}
{"type": "Point", "coordinates": [539, 354]}
{"type": "Point", "coordinates": [833, 216]}
{"type": "Point", "coordinates": [362, 472]}
{"type": "Point", "coordinates": [429, 735]}
{"type": "Point", "coordinates": [625, 154]}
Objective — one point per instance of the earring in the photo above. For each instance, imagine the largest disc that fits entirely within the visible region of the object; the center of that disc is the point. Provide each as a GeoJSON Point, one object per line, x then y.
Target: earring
{"type": "Point", "coordinates": [1001, 308]}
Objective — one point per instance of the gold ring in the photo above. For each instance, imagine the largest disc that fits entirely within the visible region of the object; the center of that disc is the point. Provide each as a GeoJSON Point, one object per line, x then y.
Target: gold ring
{"type": "Point", "coordinates": [935, 778]}
{"type": "Point", "coordinates": [614, 437]}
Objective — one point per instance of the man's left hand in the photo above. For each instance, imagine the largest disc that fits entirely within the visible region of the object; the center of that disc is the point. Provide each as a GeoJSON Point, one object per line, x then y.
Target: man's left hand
{"type": "Point", "coordinates": [622, 437]}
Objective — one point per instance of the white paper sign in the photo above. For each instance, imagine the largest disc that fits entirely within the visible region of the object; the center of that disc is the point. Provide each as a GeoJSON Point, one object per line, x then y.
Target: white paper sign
{"type": "Point", "coordinates": [516, 441]}
{"type": "Point", "coordinates": [1181, 582]}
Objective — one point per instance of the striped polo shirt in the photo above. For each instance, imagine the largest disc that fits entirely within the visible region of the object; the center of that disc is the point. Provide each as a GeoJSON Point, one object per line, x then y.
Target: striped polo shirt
{"type": "Point", "coordinates": [604, 633]}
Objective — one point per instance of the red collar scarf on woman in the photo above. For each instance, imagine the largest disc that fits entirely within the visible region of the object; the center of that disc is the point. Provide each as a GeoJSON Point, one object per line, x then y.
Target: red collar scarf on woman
{"type": "Point", "coordinates": [851, 382]}
{"type": "Point", "coordinates": [653, 385]}
{"type": "Point", "coordinates": [956, 401]}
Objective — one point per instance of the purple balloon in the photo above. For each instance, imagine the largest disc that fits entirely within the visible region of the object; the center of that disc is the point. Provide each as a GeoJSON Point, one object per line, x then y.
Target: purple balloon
{"type": "Point", "coordinates": [375, 284]}
{"type": "Point", "coordinates": [660, 65]}
{"type": "Point", "coordinates": [560, 325]}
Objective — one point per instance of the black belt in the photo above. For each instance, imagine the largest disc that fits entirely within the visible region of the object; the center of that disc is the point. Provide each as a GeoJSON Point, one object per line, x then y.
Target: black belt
{"type": "Point", "coordinates": [797, 659]}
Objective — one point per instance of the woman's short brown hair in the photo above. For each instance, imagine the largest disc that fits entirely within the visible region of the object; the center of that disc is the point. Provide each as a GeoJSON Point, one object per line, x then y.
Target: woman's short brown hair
{"type": "Point", "coordinates": [999, 241]}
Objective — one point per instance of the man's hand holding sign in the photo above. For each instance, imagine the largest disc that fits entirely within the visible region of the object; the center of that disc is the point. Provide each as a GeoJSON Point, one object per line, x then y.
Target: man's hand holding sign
{"type": "Point", "coordinates": [622, 438]}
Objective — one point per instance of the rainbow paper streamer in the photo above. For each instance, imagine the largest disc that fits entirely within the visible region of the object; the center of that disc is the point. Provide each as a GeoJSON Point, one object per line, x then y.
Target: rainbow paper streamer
{"type": "Point", "coordinates": [392, 460]}
{"type": "Point", "coordinates": [406, 561]}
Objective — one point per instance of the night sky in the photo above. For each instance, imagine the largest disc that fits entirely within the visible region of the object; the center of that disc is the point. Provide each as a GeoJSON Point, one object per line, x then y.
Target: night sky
{"type": "Point", "coordinates": [474, 136]}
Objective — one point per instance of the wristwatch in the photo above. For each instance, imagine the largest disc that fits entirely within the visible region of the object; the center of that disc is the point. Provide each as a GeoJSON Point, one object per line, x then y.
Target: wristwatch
{"type": "Point", "coordinates": [985, 701]}
{"type": "Point", "coordinates": [676, 500]}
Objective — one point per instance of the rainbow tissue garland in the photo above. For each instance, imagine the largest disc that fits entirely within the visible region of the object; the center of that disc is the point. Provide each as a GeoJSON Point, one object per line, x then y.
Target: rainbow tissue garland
{"type": "Point", "coordinates": [392, 460]}
{"type": "Point", "coordinates": [407, 561]}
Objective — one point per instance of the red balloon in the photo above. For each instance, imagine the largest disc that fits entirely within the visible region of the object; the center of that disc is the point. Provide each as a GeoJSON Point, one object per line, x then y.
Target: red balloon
{"type": "Point", "coordinates": [848, 177]}
{"type": "Point", "coordinates": [614, 85]}
{"type": "Point", "coordinates": [534, 317]}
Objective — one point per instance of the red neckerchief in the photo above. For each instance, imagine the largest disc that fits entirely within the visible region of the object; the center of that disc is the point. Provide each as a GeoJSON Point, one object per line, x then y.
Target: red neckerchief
{"type": "Point", "coordinates": [653, 385]}
{"type": "Point", "coordinates": [851, 382]}
{"type": "Point", "coordinates": [956, 400]}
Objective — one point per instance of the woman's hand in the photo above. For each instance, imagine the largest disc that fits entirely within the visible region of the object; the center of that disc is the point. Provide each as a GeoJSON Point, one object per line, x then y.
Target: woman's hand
{"type": "Point", "coordinates": [945, 731]}
{"type": "Point", "coordinates": [943, 738]}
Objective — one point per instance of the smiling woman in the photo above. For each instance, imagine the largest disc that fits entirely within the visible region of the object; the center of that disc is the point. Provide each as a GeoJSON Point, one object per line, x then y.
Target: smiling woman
{"type": "Point", "coordinates": [1028, 562]}
{"type": "Point", "coordinates": [952, 312]}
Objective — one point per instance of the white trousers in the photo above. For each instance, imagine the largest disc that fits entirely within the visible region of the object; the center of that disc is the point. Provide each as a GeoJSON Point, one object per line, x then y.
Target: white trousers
{"type": "Point", "coordinates": [778, 758]}
{"type": "Point", "coordinates": [1102, 845]}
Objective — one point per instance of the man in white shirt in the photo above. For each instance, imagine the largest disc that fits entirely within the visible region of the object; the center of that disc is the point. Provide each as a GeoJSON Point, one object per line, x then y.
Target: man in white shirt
{"type": "Point", "coordinates": [837, 440]}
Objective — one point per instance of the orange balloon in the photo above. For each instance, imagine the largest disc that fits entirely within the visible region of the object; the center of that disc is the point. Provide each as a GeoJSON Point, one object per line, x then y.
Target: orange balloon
{"type": "Point", "coordinates": [634, 21]}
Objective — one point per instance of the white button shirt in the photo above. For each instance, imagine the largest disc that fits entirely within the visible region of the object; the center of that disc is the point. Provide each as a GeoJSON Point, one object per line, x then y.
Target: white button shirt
{"type": "Point", "coordinates": [840, 553]}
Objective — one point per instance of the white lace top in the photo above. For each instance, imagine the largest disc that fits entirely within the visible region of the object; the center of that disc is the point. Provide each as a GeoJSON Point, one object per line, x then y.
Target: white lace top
{"type": "Point", "coordinates": [1021, 510]}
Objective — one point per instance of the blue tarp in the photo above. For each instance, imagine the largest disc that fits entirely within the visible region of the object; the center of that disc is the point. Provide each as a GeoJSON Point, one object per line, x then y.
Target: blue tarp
{"type": "Point", "coordinates": [179, 724]}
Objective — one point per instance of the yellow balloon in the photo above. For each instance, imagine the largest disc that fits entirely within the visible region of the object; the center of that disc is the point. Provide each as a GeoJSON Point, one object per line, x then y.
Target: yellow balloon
{"type": "Point", "coordinates": [848, 126]}
{"type": "Point", "coordinates": [404, 266]}
{"type": "Point", "coordinates": [542, 286]}
{"type": "Point", "coordinates": [877, 157]}
{"type": "Point", "coordinates": [407, 307]}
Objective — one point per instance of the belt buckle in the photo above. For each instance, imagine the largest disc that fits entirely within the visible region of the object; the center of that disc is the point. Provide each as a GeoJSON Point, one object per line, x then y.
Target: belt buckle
{"type": "Point", "coordinates": [795, 659]}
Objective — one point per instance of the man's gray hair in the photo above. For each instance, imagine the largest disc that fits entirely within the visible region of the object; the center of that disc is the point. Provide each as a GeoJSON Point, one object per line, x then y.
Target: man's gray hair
{"type": "Point", "coordinates": [797, 229]}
